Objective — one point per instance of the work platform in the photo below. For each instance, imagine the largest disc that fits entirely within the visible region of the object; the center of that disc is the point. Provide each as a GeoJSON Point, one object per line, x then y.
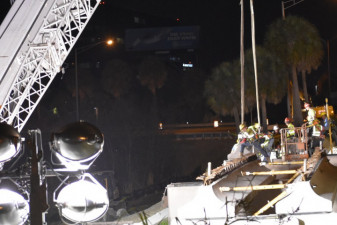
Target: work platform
{"type": "Point", "coordinates": [291, 192]}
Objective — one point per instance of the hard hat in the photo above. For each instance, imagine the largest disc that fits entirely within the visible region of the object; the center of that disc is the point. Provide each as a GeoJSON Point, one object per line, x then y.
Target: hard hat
{"type": "Point", "coordinates": [257, 125]}
{"type": "Point", "coordinates": [286, 120]}
{"type": "Point", "coordinates": [306, 105]}
{"type": "Point", "coordinates": [316, 122]}
{"type": "Point", "coordinates": [241, 126]}
{"type": "Point", "coordinates": [275, 127]}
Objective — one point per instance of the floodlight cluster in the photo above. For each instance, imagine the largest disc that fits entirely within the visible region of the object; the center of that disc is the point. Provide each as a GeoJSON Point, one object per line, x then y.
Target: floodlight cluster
{"type": "Point", "coordinates": [79, 198]}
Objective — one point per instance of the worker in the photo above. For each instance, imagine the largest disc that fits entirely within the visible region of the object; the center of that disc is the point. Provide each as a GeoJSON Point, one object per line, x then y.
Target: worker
{"type": "Point", "coordinates": [256, 128]}
{"type": "Point", "coordinates": [291, 128]}
{"type": "Point", "coordinates": [243, 138]}
{"type": "Point", "coordinates": [311, 113]}
{"type": "Point", "coordinates": [267, 145]}
{"type": "Point", "coordinates": [250, 137]}
{"type": "Point", "coordinates": [326, 125]}
{"type": "Point", "coordinates": [311, 117]}
{"type": "Point", "coordinates": [316, 136]}
{"type": "Point", "coordinates": [277, 137]}
{"type": "Point", "coordinates": [272, 139]}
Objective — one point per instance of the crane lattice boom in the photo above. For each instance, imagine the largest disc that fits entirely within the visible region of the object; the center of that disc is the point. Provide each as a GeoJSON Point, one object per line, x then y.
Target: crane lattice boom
{"type": "Point", "coordinates": [35, 38]}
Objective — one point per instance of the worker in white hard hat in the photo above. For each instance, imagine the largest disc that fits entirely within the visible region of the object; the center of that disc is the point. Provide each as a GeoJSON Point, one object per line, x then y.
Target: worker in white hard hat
{"type": "Point", "coordinates": [277, 137]}
{"type": "Point", "coordinates": [268, 144]}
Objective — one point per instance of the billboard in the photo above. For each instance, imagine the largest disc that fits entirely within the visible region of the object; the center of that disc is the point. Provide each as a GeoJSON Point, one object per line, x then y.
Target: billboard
{"type": "Point", "coordinates": [162, 38]}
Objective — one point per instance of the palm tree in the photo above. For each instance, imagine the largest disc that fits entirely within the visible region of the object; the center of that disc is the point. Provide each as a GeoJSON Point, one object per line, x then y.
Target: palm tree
{"type": "Point", "coordinates": [271, 79]}
{"type": "Point", "coordinates": [152, 73]}
{"type": "Point", "coordinates": [116, 78]}
{"type": "Point", "coordinates": [222, 91]}
{"type": "Point", "coordinates": [292, 40]}
{"type": "Point", "coordinates": [312, 53]}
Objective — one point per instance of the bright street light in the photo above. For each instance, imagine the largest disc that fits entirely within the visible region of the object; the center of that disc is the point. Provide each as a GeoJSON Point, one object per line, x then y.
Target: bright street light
{"type": "Point", "coordinates": [110, 42]}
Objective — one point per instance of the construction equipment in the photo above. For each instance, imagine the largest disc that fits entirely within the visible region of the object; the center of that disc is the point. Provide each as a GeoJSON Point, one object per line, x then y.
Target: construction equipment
{"type": "Point", "coordinates": [321, 110]}
{"type": "Point", "coordinates": [295, 147]}
{"type": "Point", "coordinates": [36, 38]}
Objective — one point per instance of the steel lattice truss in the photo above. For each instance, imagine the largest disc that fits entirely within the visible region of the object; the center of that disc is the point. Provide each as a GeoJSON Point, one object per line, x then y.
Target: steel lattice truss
{"type": "Point", "coordinates": [39, 65]}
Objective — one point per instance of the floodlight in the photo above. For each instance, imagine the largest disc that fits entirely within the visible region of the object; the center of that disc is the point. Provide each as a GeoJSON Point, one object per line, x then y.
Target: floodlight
{"type": "Point", "coordinates": [10, 142]}
{"type": "Point", "coordinates": [82, 201]}
{"type": "Point", "coordinates": [77, 145]}
{"type": "Point", "coordinates": [14, 209]}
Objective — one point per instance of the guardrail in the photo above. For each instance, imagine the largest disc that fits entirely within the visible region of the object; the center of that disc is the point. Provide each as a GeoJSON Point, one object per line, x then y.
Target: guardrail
{"type": "Point", "coordinates": [199, 131]}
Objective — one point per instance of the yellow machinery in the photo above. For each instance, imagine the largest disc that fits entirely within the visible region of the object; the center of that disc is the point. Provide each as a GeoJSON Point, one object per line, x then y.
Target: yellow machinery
{"type": "Point", "coordinates": [320, 110]}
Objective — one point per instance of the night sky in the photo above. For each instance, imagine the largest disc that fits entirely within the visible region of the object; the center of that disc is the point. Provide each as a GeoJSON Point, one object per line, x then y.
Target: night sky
{"type": "Point", "coordinates": [219, 20]}
{"type": "Point", "coordinates": [219, 23]}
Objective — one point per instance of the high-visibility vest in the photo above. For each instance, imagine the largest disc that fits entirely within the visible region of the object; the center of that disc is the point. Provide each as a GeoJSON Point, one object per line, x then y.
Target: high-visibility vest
{"type": "Point", "coordinates": [291, 130]}
{"type": "Point", "coordinates": [316, 131]}
{"type": "Point", "coordinates": [311, 115]}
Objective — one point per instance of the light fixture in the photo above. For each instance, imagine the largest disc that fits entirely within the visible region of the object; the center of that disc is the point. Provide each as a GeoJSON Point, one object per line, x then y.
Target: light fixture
{"type": "Point", "coordinates": [10, 143]}
{"type": "Point", "coordinates": [77, 145]}
{"type": "Point", "coordinates": [110, 42]}
{"type": "Point", "coordinates": [84, 200]}
{"type": "Point", "coordinates": [14, 209]}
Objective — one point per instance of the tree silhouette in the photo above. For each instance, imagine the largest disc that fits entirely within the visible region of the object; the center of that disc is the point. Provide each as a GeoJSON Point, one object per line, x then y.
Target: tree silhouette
{"type": "Point", "coordinates": [222, 91]}
{"type": "Point", "coordinates": [116, 78]}
{"type": "Point", "coordinates": [293, 40]}
{"type": "Point", "coordinates": [271, 78]}
{"type": "Point", "coordinates": [152, 73]}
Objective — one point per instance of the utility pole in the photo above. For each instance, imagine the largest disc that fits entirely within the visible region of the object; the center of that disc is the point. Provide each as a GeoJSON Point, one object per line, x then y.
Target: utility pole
{"type": "Point", "coordinates": [288, 4]}
{"type": "Point", "coordinates": [242, 61]}
{"type": "Point", "coordinates": [254, 58]}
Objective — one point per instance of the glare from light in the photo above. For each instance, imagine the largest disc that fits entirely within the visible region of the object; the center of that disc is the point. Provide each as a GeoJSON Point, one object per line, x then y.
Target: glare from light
{"type": "Point", "coordinates": [14, 209]}
{"type": "Point", "coordinates": [7, 150]}
{"type": "Point", "coordinates": [110, 42]}
{"type": "Point", "coordinates": [76, 165]}
{"type": "Point", "coordinates": [82, 201]}
{"type": "Point", "coordinates": [10, 144]}
{"type": "Point", "coordinates": [190, 65]}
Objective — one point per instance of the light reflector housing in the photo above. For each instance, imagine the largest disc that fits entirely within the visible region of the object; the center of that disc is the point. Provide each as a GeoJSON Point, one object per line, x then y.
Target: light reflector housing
{"type": "Point", "coordinates": [83, 201]}
{"type": "Point", "coordinates": [10, 143]}
{"type": "Point", "coordinates": [14, 209]}
{"type": "Point", "coordinates": [77, 145]}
